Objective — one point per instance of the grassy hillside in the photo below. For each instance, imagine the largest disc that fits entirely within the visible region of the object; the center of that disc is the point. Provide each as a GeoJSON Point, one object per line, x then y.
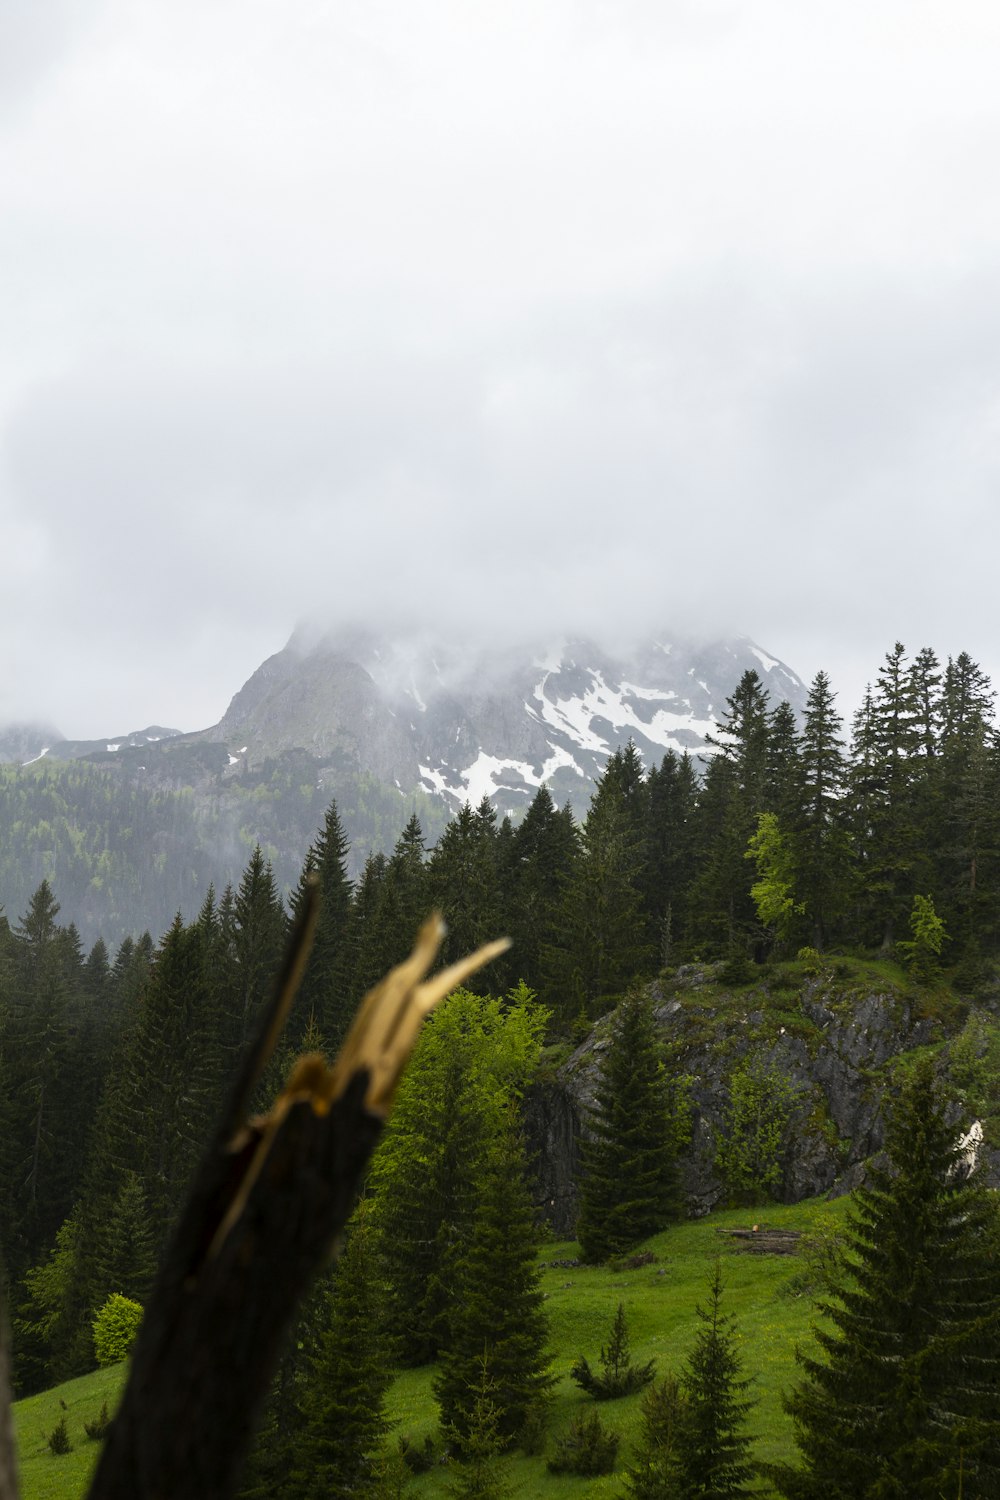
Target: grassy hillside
{"type": "Point", "coordinates": [660, 1301]}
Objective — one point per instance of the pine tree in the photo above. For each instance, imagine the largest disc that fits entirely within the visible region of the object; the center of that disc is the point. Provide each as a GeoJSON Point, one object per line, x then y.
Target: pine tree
{"type": "Point", "coordinates": [473, 1058]}
{"type": "Point", "coordinates": [327, 990]}
{"type": "Point", "coordinates": [543, 852]}
{"type": "Point", "coordinates": [463, 882]}
{"type": "Point", "coordinates": [401, 903]}
{"type": "Point", "coordinates": [346, 1380]}
{"type": "Point", "coordinates": [712, 1446]}
{"type": "Point", "coordinates": [483, 1472]}
{"type": "Point", "coordinates": [630, 1188]}
{"type": "Point", "coordinates": [669, 857]}
{"type": "Point", "coordinates": [901, 1398]}
{"type": "Point", "coordinates": [124, 1256]}
{"type": "Point", "coordinates": [496, 1323]}
{"type": "Point", "coordinates": [255, 947]}
{"type": "Point", "coordinates": [654, 1473]}
{"type": "Point", "coordinates": [892, 760]}
{"type": "Point", "coordinates": [603, 946]}
{"type": "Point", "coordinates": [821, 844]}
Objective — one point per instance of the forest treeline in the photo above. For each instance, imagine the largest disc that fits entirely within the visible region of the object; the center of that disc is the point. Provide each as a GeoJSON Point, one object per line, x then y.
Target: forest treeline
{"type": "Point", "coordinates": [795, 834]}
{"type": "Point", "coordinates": [128, 844]}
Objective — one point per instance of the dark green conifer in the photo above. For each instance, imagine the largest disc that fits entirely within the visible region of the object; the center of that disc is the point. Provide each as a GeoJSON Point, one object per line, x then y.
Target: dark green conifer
{"type": "Point", "coordinates": [603, 944]}
{"type": "Point", "coordinates": [348, 1372]}
{"type": "Point", "coordinates": [630, 1187]}
{"type": "Point", "coordinates": [496, 1323]}
{"type": "Point", "coordinates": [902, 1396]}
{"type": "Point", "coordinates": [327, 991]}
{"type": "Point", "coordinates": [712, 1446]}
{"type": "Point", "coordinates": [654, 1473]}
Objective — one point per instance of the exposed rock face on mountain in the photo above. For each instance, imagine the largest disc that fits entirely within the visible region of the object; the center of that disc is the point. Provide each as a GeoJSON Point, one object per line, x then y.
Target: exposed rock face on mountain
{"type": "Point", "coordinates": [466, 724]}
{"type": "Point", "coordinates": [837, 1054]}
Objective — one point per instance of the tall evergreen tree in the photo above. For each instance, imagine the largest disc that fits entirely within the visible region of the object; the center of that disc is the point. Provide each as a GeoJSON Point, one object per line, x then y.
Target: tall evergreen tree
{"type": "Point", "coordinates": [463, 882]}
{"type": "Point", "coordinates": [669, 858]}
{"type": "Point", "coordinates": [474, 1056]}
{"type": "Point", "coordinates": [902, 1397]}
{"type": "Point", "coordinates": [402, 902]}
{"type": "Point", "coordinates": [822, 850]}
{"type": "Point", "coordinates": [543, 852]}
{"type": "Point", "coordinates": [347, 1376]}
{"type": "Point", "coordinates": [327, 990]}
{"type": "Point", "coordinates": [497, 1322]}
{"type": "Point", "coordinates": [712, 1446]}
{"type": "Point", "coordinates": [630, 1187]}
{"type": "Point", "coordinates": [892, 833]}
{"type": "Point", "coordinates": [735, 793]}
{"type": "Point", "coordinates": [602, 945]}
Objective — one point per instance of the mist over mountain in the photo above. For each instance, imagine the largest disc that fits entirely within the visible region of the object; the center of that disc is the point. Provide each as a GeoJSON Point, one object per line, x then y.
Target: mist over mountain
{"type": "Point", "coordinates": [468, 722]}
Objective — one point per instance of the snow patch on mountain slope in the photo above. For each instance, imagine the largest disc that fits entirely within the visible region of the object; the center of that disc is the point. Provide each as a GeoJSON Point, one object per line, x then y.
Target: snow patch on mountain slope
{"type": "Point", "coordinates": [488, 772]}
{"type": "Point", "coordinates": [767, 662]}
{"type": "Point", "coordinates": [570, 716]}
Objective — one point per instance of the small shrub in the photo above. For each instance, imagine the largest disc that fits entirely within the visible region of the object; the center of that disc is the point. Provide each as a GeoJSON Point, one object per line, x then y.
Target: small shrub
{"type": "Point", "coordinates": [738, 971]}
{"type": "Point", "coordinates": [621, 1377]}
{"type": "Point", "coordinates": [115, 1329]}
{"type": "Point", "coordinates": [632, 1262]}
{"type": "Point", "coordinates": [821, 1258]}
{"type": "Point", "coordinates": [531, 1438]}
{"type": "Point", "coordinates": [97, 1431]}
{"type": "Point", "coordinates": [587, 1448]}
{"type": "Point", "coordinates": [418, 1460]}
{"type": "Point", "coordinates": [756, 1122]}
{"type": "Point", "coordinates": [59, 1442]}
{"type": "Point", "coordinates": [810, 959]}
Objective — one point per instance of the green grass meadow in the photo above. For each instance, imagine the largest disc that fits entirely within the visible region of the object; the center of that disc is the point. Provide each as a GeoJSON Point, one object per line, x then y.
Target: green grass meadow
{"type": "Point", "coordinates": [660, 1301]}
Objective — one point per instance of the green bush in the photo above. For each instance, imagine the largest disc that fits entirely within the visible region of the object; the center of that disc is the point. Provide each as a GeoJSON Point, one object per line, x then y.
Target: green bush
{"type": "Point", "coordinates": [115, 1328]}
{"type": "Point", "coordinates": [59, 1439]}
{"type": "Point", "coordinates": [586, 1448]}
{"type": "Point", "coordinates": [750, 1153]}
{"type": "Point", "coordinates": [810, 960]}
{"type": "Point", "coordinates": [621, 1377]}
{"type": "Point", "coordinates": [738, 971]}
{"type": "Point", "coordinates": [418, 1460]}
{"type": "Point", "coordinates": [97, 1430]}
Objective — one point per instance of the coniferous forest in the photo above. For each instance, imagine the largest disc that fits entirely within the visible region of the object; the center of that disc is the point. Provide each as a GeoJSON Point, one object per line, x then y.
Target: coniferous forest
{"type": "Point", "coordinates": [795, 839]}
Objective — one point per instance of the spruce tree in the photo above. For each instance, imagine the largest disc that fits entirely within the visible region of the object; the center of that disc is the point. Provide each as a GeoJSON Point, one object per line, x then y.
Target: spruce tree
{"type": "Point", "coordinates": [630, 1188]}
{"type": "Point", "coordinates": [496, 1323]}
{"type": "Point", "coordinates": [821, 844]}
{"type": "Point", "coordinates": [326, 991]}
{"type": "Point", "coordinates": [348, 1373]}
{"type": "Point", "coordinates": [603, 945]}
{"type": "Point", "coordinates": [463, 882]}
{"type": "Point", "coordinates": [669, 858]}
{"type": "Point", "coordinates": [654, 1473]}
{"type": "Point", "coordinates": [712, 1447]}
{"type": "Point", "coordinates": [473, 1058]}
{"type": "Point", "coordinates": [544, 848]}
{"type": "Point", "coordinates": [901, 1398]}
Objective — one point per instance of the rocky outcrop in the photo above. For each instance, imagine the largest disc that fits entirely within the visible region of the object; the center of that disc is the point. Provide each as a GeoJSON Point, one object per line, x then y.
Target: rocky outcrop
{"type": "Point", "coordinates": [835, 1040]}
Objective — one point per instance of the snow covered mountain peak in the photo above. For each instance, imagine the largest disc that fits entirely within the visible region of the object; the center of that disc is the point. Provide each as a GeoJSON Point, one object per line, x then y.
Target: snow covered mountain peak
{"type": "Point", "coordinates": [469, 722]}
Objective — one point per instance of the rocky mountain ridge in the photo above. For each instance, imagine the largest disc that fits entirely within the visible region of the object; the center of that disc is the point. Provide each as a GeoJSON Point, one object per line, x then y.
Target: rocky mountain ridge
{"type": "Point", "coordinates": [464, 724]}
{"type": "Point", "coordinates": [458, 722]}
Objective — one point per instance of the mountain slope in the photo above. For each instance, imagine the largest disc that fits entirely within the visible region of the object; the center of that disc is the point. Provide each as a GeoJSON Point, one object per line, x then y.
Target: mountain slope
{"type": "Point", "coordinates": [489, 722]}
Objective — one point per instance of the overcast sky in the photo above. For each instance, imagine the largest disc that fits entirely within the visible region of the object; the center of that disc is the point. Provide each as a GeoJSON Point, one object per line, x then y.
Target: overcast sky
{"type": "Point", "coordinates": [582, 314]}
